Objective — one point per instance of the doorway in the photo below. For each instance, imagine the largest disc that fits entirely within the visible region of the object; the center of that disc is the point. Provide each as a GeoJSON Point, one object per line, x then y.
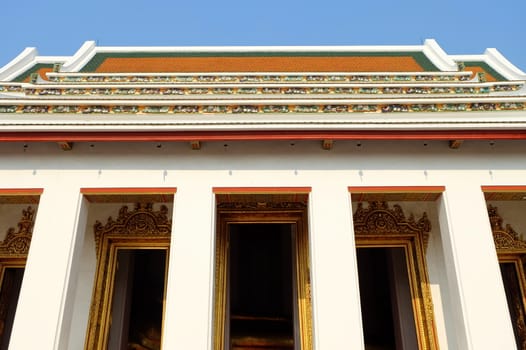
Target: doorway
{"type": "Point", "coordinates": [138, 295]}
{"type": "Point", "coordinates": [130, 281]}
{"type": "Point", "coordinates": [262, 286]}
{"type": "Point", "coordinates": [512, 271]}
{"type": "Point", "coordinates": [385, 296]}
{"type": "Point", "coordinates": [9, 293]}
{"type": "Point", "coordinates": [397, 308]}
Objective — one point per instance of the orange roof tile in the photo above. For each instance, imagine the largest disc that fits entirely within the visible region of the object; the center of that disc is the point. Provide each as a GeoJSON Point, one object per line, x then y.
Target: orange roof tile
{"type": "Point", "coordinates": [259, 64]}
{"type": "Point", "coordinates": [478, 69]}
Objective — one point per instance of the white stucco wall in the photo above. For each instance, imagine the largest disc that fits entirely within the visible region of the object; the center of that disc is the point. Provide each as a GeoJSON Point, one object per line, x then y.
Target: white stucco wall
{"type": "Point", "coordinates": [47, 289]}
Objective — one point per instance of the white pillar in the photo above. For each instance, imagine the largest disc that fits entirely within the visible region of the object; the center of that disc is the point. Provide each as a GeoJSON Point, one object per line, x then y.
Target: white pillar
{"type": "Point", "coordinates": [188, 319]}
{"type": "Point", "coordinates": [335, 294]}
{"type": "Point", "coordinates": [477, 295]}
{"type": "Point", "coordinates": [42, 312]}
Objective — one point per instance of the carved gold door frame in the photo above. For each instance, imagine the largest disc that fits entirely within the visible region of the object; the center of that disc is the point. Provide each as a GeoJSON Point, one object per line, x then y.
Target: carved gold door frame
{"type": "Point", "coordinates": [511, 249]}
{"type": "Point", "coordinates": [301, 258]}
{"type": "Point", "coordinates": [141, 228]}
{"type": "Point", "coordinates": [379, 225]}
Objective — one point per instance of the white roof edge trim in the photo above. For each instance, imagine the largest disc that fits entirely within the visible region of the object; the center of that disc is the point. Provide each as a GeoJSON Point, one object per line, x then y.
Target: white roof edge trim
{"type": "Point", "coordinates": [243, 49]}
{"type": "Point", "coordinates": [502, 65]}
{"type": "Point", "coordinates": [81, 57]}
{"type": "Point", "coordinates": [438, 56]}
{"type": "Point", "coordinates": [262, 126]}
{"type": "Point", "coordinates": [468, 58]}
{"type": "Point", "coordinates": [497, 61]}
{"type": "Point", "coordinates": [19, 64]}
{"type": "Point", "coordinates": [51, 59]}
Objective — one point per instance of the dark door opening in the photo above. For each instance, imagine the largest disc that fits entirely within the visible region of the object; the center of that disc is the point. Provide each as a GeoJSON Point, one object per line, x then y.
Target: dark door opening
{"type": "Point", "coordinates": [510, 277]}
{"type": "Point", "coordinates": [385, 295]}
{"type": "Point", "coordinates": [10, 290]}
{"type": "Point", "coordinates": [138, 296]}
{"type": "Point", "coordinates": [261, 287]}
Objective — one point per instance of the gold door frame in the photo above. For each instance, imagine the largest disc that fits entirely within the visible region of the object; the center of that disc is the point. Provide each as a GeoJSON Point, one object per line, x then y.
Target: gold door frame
{"type": "Point", "coordinates": [511, 249]}
{"type": "Point", "coordinates": [142, 228]}
{"type": "Point", "coordinates": [227, 217]}
{"type": "Point", "coordinates": [378, 225]}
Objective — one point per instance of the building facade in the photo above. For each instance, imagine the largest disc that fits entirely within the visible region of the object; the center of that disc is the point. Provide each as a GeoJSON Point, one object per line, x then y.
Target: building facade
{"type": "Point", "coordinates": [362, 197]}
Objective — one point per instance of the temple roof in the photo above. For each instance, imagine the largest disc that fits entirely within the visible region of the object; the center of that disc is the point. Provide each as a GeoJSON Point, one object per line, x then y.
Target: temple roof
{"type": "Point", "coordinates": [254, 90]}
{"type": "Point", "coordinates": [428, 57]}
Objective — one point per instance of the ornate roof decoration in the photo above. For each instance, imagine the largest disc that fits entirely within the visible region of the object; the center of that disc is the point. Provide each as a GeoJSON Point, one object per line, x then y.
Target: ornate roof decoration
{"type": "Point", "coordinates": [16, 243]}
{"type": "Point", "coordinates": [142, 221]}
{"type": "Point", "coordinates": [505, 238]}
{"type": "Point", "coordinates": [288, 89]}
{"type": "Point", "coordinates": [378, 219]}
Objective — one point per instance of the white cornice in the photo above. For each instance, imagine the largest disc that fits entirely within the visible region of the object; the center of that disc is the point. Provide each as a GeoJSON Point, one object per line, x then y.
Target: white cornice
{"type": "Point", "coordinates": [359, 121]}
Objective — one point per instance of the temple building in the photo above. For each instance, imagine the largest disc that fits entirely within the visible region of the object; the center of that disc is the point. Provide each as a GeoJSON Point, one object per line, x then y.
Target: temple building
{"type": "Point", "coordinates": [268, 198]}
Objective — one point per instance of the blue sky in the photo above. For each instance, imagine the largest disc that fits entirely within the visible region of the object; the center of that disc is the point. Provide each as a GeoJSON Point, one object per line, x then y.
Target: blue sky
{"type": "Point", "coordinates": [60, 27]}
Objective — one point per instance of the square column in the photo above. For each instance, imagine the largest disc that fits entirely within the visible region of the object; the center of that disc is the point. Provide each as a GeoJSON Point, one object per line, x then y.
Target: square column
{"type": "Point", "coordinates": [43, 311]}
{"type": "Point", "coordinates": [478, 299]}
{"type": "Point", "coordinates": [188, 318]}
{"type": "Point", "coordinates": [337, 318]}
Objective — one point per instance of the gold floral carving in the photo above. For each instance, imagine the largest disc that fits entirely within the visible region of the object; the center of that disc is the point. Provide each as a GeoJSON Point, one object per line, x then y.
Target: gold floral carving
{"type": "Point", "coordinates": [141, 221]}
{"type": "Point", "coordinates": [379, 219]}
{"type": "Point", "coordinates": [17, 242]}
{"type": "Point", "coordinates": [505, 237]}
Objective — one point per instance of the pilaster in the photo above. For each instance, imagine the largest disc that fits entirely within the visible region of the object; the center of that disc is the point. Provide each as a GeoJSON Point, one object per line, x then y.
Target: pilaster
{"type": "Point", "coordinates": [336, 299]}
{"type": "Point", "coordinates": [40, 321]}
{"type": "Point", "coordinates": [187, 322]}
{"type": "Point", "coordinates": [479, 303]}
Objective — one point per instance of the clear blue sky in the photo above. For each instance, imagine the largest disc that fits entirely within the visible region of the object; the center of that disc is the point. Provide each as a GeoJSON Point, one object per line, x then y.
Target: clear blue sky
{"type": "Point", "coordinates": [60, 27]}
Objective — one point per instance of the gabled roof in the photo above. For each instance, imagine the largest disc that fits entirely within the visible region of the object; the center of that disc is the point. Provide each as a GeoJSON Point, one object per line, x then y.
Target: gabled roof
{"type": "Point", "coordinates": [428, 57]}
{"type": "Point", "coordinates": [238, 93]}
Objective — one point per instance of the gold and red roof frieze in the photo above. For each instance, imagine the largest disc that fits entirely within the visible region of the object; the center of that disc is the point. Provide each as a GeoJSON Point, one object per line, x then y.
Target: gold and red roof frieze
{"type": "Point", "coordinates": [317, 77]}
{"type": "Point", "coordinates": [305, 89]}
{"type": "Point", "coordinates": [257, 108]}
